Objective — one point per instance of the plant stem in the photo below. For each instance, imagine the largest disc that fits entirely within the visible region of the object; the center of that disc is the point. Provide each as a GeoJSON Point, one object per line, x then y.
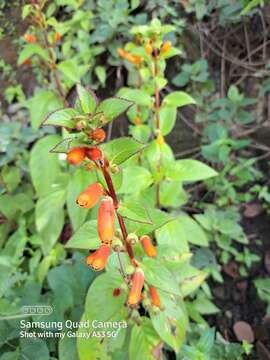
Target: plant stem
{"type": "Point", "coordinates": [52, 64]}
{"type": "Point", "coordinates": [157, 119]}
{"type": "Point", "coordinates": [120, 219]}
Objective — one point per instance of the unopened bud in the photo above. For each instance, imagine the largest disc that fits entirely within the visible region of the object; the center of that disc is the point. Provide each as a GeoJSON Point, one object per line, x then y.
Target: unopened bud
{"type": "Point", "coordinates": [132, 239]}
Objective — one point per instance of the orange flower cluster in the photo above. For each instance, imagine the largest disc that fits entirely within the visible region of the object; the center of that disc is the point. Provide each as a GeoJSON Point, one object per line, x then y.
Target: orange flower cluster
{"type": "Point", "coordinates": [76, 155]}
{"type": "Point", "coordinates": [106, 229]}
{"type": "Point", "coordinates": [134, 59]}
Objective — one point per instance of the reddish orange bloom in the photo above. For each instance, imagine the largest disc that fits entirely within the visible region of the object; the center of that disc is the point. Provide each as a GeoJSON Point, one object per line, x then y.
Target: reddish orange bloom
{"type": "Point", "coordinates": [76, 155]}
{"type": "Point", "coordinates": [29, 38]}
{"type": "Point", "coordinates": [135, 293]}
{"type": "Point", "coordinates": [57, 37]}
{"type": "Point", "coordinates": [135, 59]}
{"type": "Point", "coordinates": [27, 62]}
{"type": "Point", "coordinates": [154, 296]}
{"type": "Point", "coordinates": [166, 47]}
{"type": "Point", "coordinates": [106, 215]}
{"type": "Point", "coordinates": [98, 260]}
{"type": "Point", "coordinates": [148, 247]}
{"type": "Point", "coordinates": [94, 153]}
{"type": "Point", "coordinates": [148, 48]}
{"type": "Point", "coordinates": [98, 135]}
{"type": "Point", "coordinates": [89, 197]}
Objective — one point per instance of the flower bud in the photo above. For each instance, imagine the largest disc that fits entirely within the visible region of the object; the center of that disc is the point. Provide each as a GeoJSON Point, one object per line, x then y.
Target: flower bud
{"type": "Point", "coordinates": [98, 135]}
{"type": "Point", "coordinates": [76, 155]}
{"type": "Point", "coordinates": [98, 260]}
{"type": "Point", "coordinates": [160, 139]}
{"type": "Point", "coordinates": [94, 153]}
{"type": "Point", "coordinates": [137, 120]}
{"type": "Point", "coordinates": [132, 239]}
{"type": "Point", "coordinates": [148, 247]}
{"type": "Point", "coordinates": [148, 48]}
{"type": "Point", "coordinates": [154, 296]}
{"type": "Point", "coordinates": [106, 215]}
{"type": "Point", "coordinates": [27, 62]}
{"type": "Point", "coordinates": [135, 293]}
{"type": "Point", "coordinates": [117, 244]}
{"type": "Point", "coordinates": [30, 38]}
{"type": "Point", "coordinates": [166, 47]}
{"type": "Point", "coordinates": [57, 37]}
{"type": "Point", "coordinates": [89, 197]}
{"type": "Point", "coordinates": [114, 168]}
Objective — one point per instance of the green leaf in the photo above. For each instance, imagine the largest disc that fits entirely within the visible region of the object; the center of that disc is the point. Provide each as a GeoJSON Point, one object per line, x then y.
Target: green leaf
{"type": "Point", "coordinates": [167, 119]}
{"type": "Point", "coordinates": [101, 74]}
{"type": "Point", "coordinates": [158, 218]}
{"type": "Point", "coordinates": [78, 182]}
{"type": "Point", "coordinates": [86, 237]}
{"type": "Point", "coordinates": [113, 107]}
{"type": "Point", "coordinates": [44, 166]}
{"type": "Point", "coordinates": [135, 179]}
{"type": "Point", "coordinates": [67, 349]}
{"type": "Point", "coordinates": [194, 233]}
{"type": "Point", "coordinates": [159, 276]}
{"type": "Point", "coordinates": [41, 104]}
{"type": "Point", "coordinates": [62, 117]}
{"type": "Point", "coordinates": [190, 170]}
{"type": "Point", "coordinates": [189, 285]}
{"type": "Point", "coordinates": [72, 70]}
{"type": "Point", "coordinates": [30, 50]}
{"type": "Point", "coordinates": [144, 340]}
{"type": "Point", "coordinates": [138, 97]}
{"type": "Point", "coordinates": [135, 212]}
{"type": "Point", "coordinates": [170, 323]}
{"type": "Point", "coordinates": [172, 194]}
{"type": "Point", "coordinates": [100, 294]}
{"type": "Point", "coordinates": [178, 99]}
{"type": "Point", "coordinates": [32, 349]}
{"type": "Point", "coordinates": [49, 217]}
{"type": "Point", "coordinates": [87, 99]}
{"type": "Point", "coordinates": [173, 234]}
{"type": "Point", "coordinates": [119, 150]}
{"type": "Point", "coordinates": [11, 177]}
{"type": "Point", "coordinates": [27, 9]}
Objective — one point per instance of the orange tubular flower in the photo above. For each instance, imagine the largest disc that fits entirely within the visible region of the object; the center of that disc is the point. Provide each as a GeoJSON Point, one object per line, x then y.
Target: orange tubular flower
{"type": "Point", "coordinates": [148, 48]}
{"type": "Point", "coordinates": [30, 38]}
{"type": "Point", "coordinates": [98, 135]}
{"type": "Point", "coordinates": [76, 155]}
{"type": "Point", "coordinates": [57, 37]}
{"type": "Point", "coordinates": [135, 294]}
{"type": "Point", "coordinates": [106, 215]}
{"type": "Point", "coordinates": [89, 197]}
{"type": "Point", "coordinates": [166, 47]}
{"type": "Point", "coordinates": [135, 59]}
{"type": "Point", "coordinates": [98, 260]}
{"type": "Point", "coordinates": [94, 153]}
{"type": "Point", "coordinates": [148, 247]}
{"type": "Point", "coordinates": [154, 296]}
